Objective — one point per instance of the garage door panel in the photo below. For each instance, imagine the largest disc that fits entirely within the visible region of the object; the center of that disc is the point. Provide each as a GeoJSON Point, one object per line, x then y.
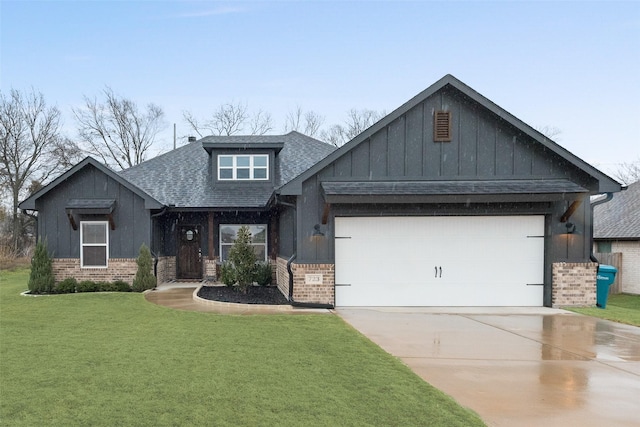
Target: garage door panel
{"type": "Point", "coordinates": [432, 261]}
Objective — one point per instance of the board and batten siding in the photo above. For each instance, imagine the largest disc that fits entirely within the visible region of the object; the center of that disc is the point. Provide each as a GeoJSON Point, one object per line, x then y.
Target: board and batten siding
{"type": "Point", "coordinates": [132, 220]}
{"type": "Point", "coordinates": [483, 147]}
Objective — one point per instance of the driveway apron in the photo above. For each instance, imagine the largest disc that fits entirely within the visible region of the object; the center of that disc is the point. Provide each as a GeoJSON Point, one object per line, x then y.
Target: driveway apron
{"type": "Point", "coordinates": [517, 367]}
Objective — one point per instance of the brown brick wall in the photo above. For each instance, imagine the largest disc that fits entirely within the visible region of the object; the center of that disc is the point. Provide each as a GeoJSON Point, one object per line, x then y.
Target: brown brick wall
{"type": "Point", "coordinates": [303, 292]}
{"type": "Point", "coordinates": [211, 269]}
{"type": "Point", "coordinates": [119, 269]}
{"type": "Point", "coordinates": [574, 284]}
{"type": "Point", "coordinates": [166, 270]}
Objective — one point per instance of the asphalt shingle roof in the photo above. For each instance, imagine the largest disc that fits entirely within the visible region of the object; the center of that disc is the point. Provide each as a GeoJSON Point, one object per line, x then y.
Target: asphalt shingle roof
{"type": "Point", "coordinates": [619, 218]}
{"type": "Point", "coordinates": [183, 177]}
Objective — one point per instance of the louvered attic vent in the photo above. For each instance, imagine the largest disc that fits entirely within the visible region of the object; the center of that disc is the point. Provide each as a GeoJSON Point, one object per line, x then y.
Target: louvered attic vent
{"type": "Point", "coordinates": [442, 126]}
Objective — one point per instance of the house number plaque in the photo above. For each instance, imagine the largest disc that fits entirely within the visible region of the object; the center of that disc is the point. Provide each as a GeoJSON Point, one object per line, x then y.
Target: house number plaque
{"type": "Point", "coordinates": [313, 279]}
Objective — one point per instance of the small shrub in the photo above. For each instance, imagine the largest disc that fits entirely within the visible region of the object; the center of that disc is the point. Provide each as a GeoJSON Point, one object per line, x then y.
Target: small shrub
{"type": "Point", "coordinates": [263, 274]}
{"type": "Point", "coordinates": [243, 259]}
{"type": "Point", "coordinates": [104, 287]}
{"type": "Point", "coordinates": [87, 286]}
{"type": "Point", "coordinates": [121, 286]}
{"type": "Point", "coordinates": [144, 277]}
{"type": "Point", "coordinates": [67, 286]}
{"type": "Point", "coordinates": [41, 280]}
{"type": "Point", "coordinates": [227, 274]}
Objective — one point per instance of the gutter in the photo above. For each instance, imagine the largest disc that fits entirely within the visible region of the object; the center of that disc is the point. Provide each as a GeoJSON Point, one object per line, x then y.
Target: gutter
{"type": "Point", "coordinates": [293, 302]}
{"type": "Point", "coordinates": [608, 198]}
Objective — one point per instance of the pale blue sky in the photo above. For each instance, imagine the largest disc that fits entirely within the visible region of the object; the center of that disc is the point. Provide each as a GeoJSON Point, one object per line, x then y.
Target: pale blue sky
{"type": "Point", "coordinates": [570, 65]}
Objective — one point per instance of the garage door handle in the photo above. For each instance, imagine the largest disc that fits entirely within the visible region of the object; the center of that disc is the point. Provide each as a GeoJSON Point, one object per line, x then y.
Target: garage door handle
{"type": "Point", "coordinates": [438, 269]}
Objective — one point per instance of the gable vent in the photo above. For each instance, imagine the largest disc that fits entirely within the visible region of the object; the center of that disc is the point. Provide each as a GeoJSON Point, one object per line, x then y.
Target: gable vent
{"type": "Point", "coordinates": [442, 126]}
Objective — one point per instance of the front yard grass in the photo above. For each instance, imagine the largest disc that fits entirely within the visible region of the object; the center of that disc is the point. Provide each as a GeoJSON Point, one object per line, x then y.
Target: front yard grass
{"type": "Point", "coordinates": [623, 308]}
{"type": "Point", "coordinates": [115, 359]}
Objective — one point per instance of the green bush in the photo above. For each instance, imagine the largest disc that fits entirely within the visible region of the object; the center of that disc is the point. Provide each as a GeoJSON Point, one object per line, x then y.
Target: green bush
{"type": "Point", "coordinates": [144, 277]}
{"type": "Point", "coordinates": [41, 280]}
{"type": "Point", "coordinates": [121, 286]}
{"type": "Point", "coordinates": [227, 274]}
{"type": "Point", "coordinates": [67, 286]}
{"type": "Point", "coordinates": [243, 259]}
{"type": "Point", "coordinates": [263, 274]}
{"type": "Point", "coordinates": [87, 286]}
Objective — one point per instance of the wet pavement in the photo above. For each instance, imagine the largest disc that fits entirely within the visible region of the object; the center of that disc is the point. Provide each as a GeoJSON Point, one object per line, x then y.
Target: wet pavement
{"type": "Point", "coordinates": [517, 367]}
{"type": "Point", "coordinates": [183, 296]}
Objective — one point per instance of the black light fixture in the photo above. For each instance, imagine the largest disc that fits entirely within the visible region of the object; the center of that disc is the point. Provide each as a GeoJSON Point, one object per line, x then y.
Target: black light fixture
{"type": "Point", "coordinates": [316, 231]}
{"type": "Point", "coordinates": [571, 227]}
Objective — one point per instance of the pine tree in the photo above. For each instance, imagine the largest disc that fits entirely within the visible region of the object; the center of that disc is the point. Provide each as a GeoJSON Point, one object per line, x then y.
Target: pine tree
{"type": "Point", "coordinates": [243, 259]}
{"type": "Point", "coordinates": [41, 280]}
{"type": "Point", "coordinates": [144, 277]}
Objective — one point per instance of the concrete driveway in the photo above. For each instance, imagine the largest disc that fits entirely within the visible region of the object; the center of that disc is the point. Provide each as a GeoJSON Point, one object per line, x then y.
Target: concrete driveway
{"type": "Point", "coordinates": [517, 367]}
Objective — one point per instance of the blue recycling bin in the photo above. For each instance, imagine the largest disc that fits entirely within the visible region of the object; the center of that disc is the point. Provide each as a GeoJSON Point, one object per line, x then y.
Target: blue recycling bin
{"type": "Point", "coordinates": [605, 277]}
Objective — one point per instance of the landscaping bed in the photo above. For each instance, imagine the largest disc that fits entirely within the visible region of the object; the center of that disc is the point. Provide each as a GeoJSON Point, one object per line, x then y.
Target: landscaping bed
{"type": "Point", "coordinates": [269, 295]}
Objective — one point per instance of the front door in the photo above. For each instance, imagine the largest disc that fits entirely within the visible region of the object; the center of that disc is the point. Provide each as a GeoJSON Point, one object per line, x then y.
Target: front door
{"type": "Point", "coordinates": [189, 253]}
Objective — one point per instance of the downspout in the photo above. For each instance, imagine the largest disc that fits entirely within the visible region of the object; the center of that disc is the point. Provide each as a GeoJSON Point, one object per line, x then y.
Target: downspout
{"type": "Point", "coordinates": [608, 197]}
{"type": "Point", "coordinates": [290, 261]}
{"type": "Point", "coordinates": [155, 256]}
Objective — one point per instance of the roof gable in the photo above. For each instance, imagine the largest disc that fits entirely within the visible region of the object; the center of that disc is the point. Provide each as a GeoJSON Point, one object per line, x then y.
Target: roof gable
{"type": "Point", "coordinates": [450, 83]}
{"type": "Point", "coordinates": [30, 202]}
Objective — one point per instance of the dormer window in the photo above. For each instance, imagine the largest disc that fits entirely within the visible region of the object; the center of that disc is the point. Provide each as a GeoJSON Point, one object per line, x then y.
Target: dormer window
{"type": "Point", "coordinates": [243, 167]}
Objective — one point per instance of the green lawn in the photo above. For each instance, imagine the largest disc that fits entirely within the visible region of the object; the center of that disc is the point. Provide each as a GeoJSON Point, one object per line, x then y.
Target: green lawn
{"type": "Point", "coordinates": [115, 359]}
{"type": "Point", "coordinates": [623, 308]}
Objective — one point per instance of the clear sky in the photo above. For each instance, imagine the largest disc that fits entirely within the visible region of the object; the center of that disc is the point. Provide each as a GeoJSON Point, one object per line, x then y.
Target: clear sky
{"type": "Point", "coordinates": [573, 65]}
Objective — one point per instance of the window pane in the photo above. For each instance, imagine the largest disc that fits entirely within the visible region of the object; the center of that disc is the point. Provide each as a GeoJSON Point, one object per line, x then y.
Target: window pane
{"type": "Point", "coordinates": [242, 174]}
{"type": "Point", "coordinates": [94, 256]}
{"type": "Point", "coordinates": [243, 161]}
{"type": "Point", "coordinates": [225, 252]}
{"type": "Point", "coordinates": [260, 161]}
{"type": "Point", "coordinates": [228, 233]}
{"type": "Point", "coordinates": [258, 234]}
{"type": "Point", "coordinates": [225, 161]}
{"type": "Point", "coordinates": [260, 174]}
{"type": "Point", "coordinates": [94, 233]}
{"type": "Point", "coordinates": [260, 251]}
{"type": "Point", "coordinates": [226, 173]}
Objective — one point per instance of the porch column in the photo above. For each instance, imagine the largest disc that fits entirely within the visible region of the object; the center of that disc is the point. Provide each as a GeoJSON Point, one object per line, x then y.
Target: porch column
{"type": "Point", "coordinates": [211, 246]}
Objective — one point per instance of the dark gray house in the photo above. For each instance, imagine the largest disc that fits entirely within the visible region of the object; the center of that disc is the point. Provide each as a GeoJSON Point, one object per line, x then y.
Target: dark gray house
{"type": "Point", "coordinates": [449, 200]}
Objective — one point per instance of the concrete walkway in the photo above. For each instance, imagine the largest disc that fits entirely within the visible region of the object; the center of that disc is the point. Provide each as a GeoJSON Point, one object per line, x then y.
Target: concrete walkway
{"type": "Point", "coordinates": [184, 296]}
{"type": "Point", "coordinates": [517, 367]}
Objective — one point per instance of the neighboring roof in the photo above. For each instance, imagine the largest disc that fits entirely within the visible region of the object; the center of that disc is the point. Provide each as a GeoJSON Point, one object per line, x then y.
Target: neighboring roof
{"type": "Point", "coordinates": [182, 177]}
{"type": "Point", "coordinates": [619, 218]}
{"type": "Point", "coordinates": [30, 202]}
{"type": "Point", "coordinates": [606, 183]}
{"type": "Point", "coordinates": [362, 191]}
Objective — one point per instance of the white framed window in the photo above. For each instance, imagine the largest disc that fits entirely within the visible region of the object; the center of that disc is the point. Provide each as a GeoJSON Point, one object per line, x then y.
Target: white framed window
{"type": "Point", "coordinates": [229, 233]}
{"type": "Point", "coordinates": [94, 244]}
{"type": "Point", "coordinates": [243, 167]}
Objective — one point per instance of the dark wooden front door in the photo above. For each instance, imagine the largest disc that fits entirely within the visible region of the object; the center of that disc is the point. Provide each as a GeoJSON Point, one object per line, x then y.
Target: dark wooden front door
{"type": "Point", "coordinates": [189, 253]}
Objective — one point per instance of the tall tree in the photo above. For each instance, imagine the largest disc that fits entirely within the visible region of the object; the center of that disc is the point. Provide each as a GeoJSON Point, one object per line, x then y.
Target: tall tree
{"type": "Point", "coordinates": [357, 121]}
{"type": "Point", "coordinates": [116, 130]}
{"type": "Point", "coordinates": [29, 136]}
{"type": "Point", "coordinates": [308, 122]}
{"type": "Point", "coordinates": [230, 119]}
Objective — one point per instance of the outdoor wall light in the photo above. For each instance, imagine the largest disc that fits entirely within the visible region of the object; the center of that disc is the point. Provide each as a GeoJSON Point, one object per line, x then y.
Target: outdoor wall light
{"type": "Point", "coordinates": [571, 227]}
{"type": "Point", "coordinates": [316, 231]}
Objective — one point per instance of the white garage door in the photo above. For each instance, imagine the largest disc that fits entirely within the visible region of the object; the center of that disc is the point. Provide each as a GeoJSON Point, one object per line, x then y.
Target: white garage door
{"type": "Point", "coordinates": [439, 261]}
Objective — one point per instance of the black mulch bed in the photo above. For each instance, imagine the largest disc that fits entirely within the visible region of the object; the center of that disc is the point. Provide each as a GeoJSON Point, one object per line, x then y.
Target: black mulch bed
{"type": "Point", "coordinates": [256, 295]}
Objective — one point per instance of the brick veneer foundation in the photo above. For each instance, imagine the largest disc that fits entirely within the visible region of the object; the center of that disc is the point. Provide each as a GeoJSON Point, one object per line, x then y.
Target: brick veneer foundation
{"type": "Point", "coordinates": [574, 284]}
{"type": "Point", "coordinates": [211, 269]}
{"type": "Point", "coordinates": [119, 269]}
{"type": "Point", "coordinates": [166, 269]}
{"type": "Point", "coordinates": [302, 291]}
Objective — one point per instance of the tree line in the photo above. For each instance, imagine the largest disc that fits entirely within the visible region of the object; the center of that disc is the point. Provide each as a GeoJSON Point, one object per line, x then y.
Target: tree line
{"type": "Point", "coordinates": [121, 134]}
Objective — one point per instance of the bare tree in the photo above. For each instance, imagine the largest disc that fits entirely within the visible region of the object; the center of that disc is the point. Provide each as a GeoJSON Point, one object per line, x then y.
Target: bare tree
{"type": "Point", "coordinates": [29, 135]}
{"type": "Point", "coordinates": [308, 122]}
{"type": "Point", "coordinates": [628, 173]}
{"type": "Point", "coordinates": [357, 122]}
{"type": "Point", "coordinates": [116, 130]}
{"type": "Point", "coordinates": [550, 132]}
{"type": "Point", "coordinates": [231, 119]}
